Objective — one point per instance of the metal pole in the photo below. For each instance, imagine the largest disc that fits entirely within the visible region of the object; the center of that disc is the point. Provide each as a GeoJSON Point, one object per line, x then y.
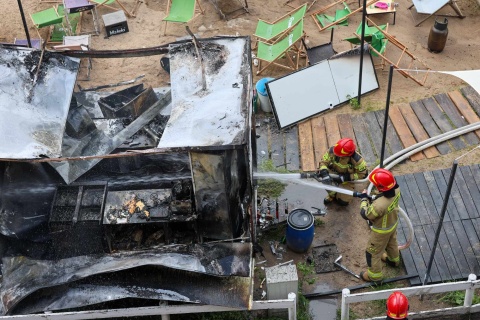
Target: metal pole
{"type": "Point", "coordinates": [364, 14]}
{"type": "Point", "coordinates": [25, 27]}
{"type": "Point", "coordinates": [385, 121]}
{"type": "Point", "coordinates": [442, 215]}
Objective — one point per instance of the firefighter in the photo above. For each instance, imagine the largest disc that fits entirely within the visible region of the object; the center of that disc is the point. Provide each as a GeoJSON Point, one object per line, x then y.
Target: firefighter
{"type": "Point", "coordinates": [344, 160]}
{"type": "Point", "coordinates": [397, 306]}
{"type": "Point", "coordinates": [382, 213]}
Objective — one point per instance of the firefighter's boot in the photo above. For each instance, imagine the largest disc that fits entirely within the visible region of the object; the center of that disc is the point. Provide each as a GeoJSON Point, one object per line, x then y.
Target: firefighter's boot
{"type": "Point", "coordinates": [390, 262]}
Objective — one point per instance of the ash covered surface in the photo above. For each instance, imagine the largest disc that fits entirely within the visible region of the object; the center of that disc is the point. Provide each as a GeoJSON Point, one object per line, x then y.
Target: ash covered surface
{"type": "Point", "coordinates": [35, 126]}
{"type": "Point", "coordinates": [220, 113]}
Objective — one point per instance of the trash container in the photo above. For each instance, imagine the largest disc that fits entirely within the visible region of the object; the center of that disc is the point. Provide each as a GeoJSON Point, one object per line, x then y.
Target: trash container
{"type": "Point", "coordinates": [300, 230]}
{"type": "Point", "coordinates": [263, 99]}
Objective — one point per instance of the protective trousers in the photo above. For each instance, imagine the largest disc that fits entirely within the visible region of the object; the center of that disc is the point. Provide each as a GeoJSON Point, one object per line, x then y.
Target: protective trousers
{"type": "Point", "coordinates": [343, 197]}
{"type": "Point", "coordinates": [378, 243]}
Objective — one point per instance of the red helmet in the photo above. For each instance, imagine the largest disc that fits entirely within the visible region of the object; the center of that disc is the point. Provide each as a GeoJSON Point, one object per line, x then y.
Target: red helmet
{"type": "Point", "coordinates": [344, 147]}
{"type": "Point", "coordinates": [397, 306]}
{"type": "Point", "coordinates": [382, 179]}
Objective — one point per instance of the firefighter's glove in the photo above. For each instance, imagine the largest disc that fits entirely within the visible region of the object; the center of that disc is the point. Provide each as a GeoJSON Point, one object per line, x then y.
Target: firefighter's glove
{"type": "Point", "coordinates": [341, 178]}
{"type": "Point", "coordinates": [361, 195]}
{"type": "Point", "coordinates": [325, 176]}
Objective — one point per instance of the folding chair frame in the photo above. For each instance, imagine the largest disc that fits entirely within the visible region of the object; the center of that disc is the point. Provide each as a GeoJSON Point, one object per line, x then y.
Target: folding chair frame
{"type": "Point", "coordinates": [298, 49]}
{"type": "Point", "coordinates": [96, 27]}
{"type": "Point", "coordinates": [451, 3]}
{"type": "Point", "coordinates": [280, 35]}
{"type": "Point", "coordinates": [404, 53]}
{"type": "Point", "coordinates": [50, 28]}
{"type": "Point", "coordinates": [131, 14]}
{"type": "Point", "coordinates": [324, 9]}
{"type": "Point", "coordinates": [195, 13]}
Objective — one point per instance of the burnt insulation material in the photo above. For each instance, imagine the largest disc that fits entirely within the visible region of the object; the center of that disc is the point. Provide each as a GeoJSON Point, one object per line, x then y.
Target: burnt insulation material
{"type": "Point", "coordinates": [34, 105]}
{"type": "Point", "coordinates": [23, 276]}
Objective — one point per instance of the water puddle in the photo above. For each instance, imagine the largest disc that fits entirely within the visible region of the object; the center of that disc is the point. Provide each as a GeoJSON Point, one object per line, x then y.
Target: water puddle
{"type": "Point", "coordinates": [323, 309]}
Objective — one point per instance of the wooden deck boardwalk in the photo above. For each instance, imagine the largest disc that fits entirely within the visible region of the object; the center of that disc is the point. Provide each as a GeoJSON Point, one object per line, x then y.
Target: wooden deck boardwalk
{"type": "Point", "coordinates": [458, 251]}
{"type": "Point", "coordinates": [301, 146]}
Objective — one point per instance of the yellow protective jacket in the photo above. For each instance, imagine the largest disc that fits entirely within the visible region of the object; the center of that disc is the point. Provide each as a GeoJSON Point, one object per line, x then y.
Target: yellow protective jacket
{"type": "Point", "coordinates": [355, 165]}
{"type": "Point", "coordinates": [382, 212]}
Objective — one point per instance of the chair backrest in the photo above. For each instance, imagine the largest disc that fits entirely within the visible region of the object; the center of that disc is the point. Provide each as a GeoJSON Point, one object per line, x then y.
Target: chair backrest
{"type": "Point", "coordinates": [267, 30]}
{"type": "Point", "coordinates": [342, 13]}
{"type": "Point", "coordinates": [379, 43]}
{"type": "Point", "coordinates": [47, 17]}
{"type": "Point", "coordinates": [181, 11]}
{"type": "Point", "coordinates": [271, 52]}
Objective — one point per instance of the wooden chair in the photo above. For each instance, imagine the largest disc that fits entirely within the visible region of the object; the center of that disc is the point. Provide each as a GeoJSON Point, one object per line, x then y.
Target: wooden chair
{"type": "Point", "coordinates": [328, 24]}
{"type": "Point", "coordinates": [291, 45]}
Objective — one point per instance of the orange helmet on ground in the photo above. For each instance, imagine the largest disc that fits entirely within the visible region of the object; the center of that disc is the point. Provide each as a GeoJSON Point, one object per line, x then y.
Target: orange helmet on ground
{"type": "Point", "coordinates": [397, 306]}
{"type": "Point", "coordinates": [344, 147]}
{"type": "Point", "coordinates": [382, 179]}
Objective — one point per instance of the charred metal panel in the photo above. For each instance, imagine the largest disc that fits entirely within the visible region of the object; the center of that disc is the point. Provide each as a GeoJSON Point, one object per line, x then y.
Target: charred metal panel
{"type": "Point", "coordinates": [34, 102]}
{"type": "Point", "coordinates": [211, 198]}
{"type": "Point", "coordinates": [98, 143]}
{"type": "Point", "coordinates": [23, 276]}
{"type": "Point", "coordinates": [217, 115]}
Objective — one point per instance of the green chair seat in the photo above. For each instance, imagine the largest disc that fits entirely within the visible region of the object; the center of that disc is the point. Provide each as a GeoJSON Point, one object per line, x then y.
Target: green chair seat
{"type": "Point", "coordinates": [46, 17]}
{"type": "Point", "coordinates": [181, 11]}
{"type": "Point", "coordinates": [59, 31]}
{"type": "Point", "coordinates": [271, 52]}
{"type": "Point", "coordinates": [325, 20]}
{"type": "Point", "coordinates": [268, 31]}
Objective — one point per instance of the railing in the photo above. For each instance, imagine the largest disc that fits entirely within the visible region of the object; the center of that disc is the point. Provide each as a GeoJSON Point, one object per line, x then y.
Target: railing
{"type": "Point", "coordinates": [469, 286]}
{"type": "Point", "coordinates": [163, 310]}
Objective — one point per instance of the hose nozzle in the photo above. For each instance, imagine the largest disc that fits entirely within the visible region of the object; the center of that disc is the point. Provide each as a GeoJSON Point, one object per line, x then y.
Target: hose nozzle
{"type": "Point", "coordinates": [308, 175]}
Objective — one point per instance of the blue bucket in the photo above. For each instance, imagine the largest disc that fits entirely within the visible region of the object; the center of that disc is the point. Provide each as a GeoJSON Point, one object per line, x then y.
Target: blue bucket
{"type": "Point", "coordinates": [300, 230]}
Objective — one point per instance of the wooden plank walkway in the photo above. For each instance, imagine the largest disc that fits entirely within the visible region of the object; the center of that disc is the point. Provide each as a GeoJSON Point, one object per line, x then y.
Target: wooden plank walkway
{"type": "Point", "coordinates": [407, 125]}
{"type": "Point", "coordinates": [458, 249]}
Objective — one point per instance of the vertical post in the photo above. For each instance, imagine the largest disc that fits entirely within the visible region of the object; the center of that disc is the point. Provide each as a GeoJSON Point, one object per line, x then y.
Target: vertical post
{"type": "Point", "coordinates": [345, 312]}
{"type": "Point", "coordinates": [470, 291]}
{"type": "Point", "coordinates": [362, 42]}
{"type": "Point", "coordinates": [292, 311]}
{"type": "Point", "coordinates": [164, 304]}
{"type": "Point", "coordinates": [385, 121]}
{"type": "Point", "coordinates": [440, 223]}
{"type": "Point", "coordinates": [25, 27]}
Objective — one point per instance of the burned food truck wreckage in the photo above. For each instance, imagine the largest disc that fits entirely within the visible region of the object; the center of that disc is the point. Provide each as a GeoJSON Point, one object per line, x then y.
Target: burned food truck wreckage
{"type": "Point", "coordinates": [123, 199]}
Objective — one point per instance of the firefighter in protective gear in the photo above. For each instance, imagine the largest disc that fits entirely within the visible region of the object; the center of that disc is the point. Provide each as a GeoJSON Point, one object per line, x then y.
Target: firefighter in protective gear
{"type": "Point", "coordinates": [397, 306]}
{"type": "Point", "coordinates": [382, 213]}
{"type": "Point", "coordinates": [342, 159]}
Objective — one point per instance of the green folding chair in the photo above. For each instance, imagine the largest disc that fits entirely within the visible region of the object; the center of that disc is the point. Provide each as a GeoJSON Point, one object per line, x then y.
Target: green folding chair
{"type": "Point", "coordinates": [271, 53]}
{"type": "Point", "coordinates": [375, 38]}
{"type": "Point", "coordinates": [369, 31]}
{"type": "Point", "coordinates": [181, 11]}
{"type": "Point", "coordinates": [47, 18]}
{"type": "Point", "coordinates": [63, 28]}
{"type": "Point", "coordinates": [272, 32]}
{"type": "Point", "coordinates": [341, 15]}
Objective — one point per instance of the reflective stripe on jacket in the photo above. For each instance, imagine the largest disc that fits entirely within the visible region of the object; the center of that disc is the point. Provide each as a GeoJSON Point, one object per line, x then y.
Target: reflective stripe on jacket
{"type": "Point", "coordinates": [383, 213]}
{"type": "Point", "coordinates": [355, 165]}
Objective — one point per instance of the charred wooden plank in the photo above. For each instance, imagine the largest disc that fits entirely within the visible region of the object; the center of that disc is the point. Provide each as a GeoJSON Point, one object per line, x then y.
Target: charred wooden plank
{"type": "Point", "coordinates": [457, 248]}
{"type": "Point", "coordinates": [376, 133]}
{"type": "Point", "coordinates": [429, 125]}
{"type": "Point", "coordinates": [417, 129]}
{"type": "Point", "coordinates": [320, 144]}
{"type": "Point", "coordinates": [307, 156]}
{"type": "Point", "coordinates": [392, 138]}
{"type": "Point", "coordinates": [363, 141]}
{"type": "Point", "coordinates": [464, 108]}
{"type": "Point", "coordinates": [291, 149]}
{"type": "Point", "coordinates": [442, 121]}
{"type": "Point", "coordinates": [438, 258]}
{"type": "Point", "coordinates": [455, 117]}
{"type": "Point", "coordinates": [404, 132]}
{"type": "Point", "coordinates": [473, 98]}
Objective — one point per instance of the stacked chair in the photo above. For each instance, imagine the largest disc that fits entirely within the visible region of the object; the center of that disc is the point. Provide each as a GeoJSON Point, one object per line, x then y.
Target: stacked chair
{"type": "Point", "coordinates": [280, 42]}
